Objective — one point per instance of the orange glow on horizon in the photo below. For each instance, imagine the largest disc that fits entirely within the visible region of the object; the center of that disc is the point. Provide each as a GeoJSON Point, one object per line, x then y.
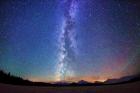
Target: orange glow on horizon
{"type": "Point", "coordinates": [69, 79]}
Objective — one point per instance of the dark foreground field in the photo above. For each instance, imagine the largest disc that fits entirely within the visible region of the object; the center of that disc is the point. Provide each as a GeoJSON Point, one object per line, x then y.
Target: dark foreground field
{"type": "Point", "coordinates": [124, 88]}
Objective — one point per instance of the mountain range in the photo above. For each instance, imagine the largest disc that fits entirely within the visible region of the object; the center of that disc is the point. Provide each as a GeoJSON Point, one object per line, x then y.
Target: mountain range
{"type": "Point", "coordinates": [10, 79]}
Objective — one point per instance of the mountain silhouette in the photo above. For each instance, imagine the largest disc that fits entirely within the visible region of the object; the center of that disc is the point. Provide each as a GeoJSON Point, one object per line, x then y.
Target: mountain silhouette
{"type": "Point", "coordinates": [10, 79]}
{"type": "Point", "coordinates": [126, 79]}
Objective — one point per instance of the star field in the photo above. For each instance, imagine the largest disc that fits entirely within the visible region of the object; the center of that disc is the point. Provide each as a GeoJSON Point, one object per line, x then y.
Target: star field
{"type": "Point", "coordinates": [71, 40]}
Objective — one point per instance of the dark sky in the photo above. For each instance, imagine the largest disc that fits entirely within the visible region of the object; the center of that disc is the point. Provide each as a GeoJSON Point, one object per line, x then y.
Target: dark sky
{"type": "Point", "coordinates": [54, 40]}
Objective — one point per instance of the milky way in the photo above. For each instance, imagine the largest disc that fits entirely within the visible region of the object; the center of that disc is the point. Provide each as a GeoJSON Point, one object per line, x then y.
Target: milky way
{"type": "Point", "coordinates": [70, 40]}
{"type": "Point", "coordinates": [67, 40]}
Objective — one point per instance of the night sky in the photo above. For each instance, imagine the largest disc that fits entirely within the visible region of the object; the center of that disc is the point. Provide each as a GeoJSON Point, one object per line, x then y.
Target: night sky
{"type": "Point", "coordinates": [70, 40]}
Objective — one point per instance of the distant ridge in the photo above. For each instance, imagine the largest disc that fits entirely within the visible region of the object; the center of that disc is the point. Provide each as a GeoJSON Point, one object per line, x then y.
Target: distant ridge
{"type": "Point", "coordinates": [123, 80]}
{"type": "Point", "coordinates": [10, 79]}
